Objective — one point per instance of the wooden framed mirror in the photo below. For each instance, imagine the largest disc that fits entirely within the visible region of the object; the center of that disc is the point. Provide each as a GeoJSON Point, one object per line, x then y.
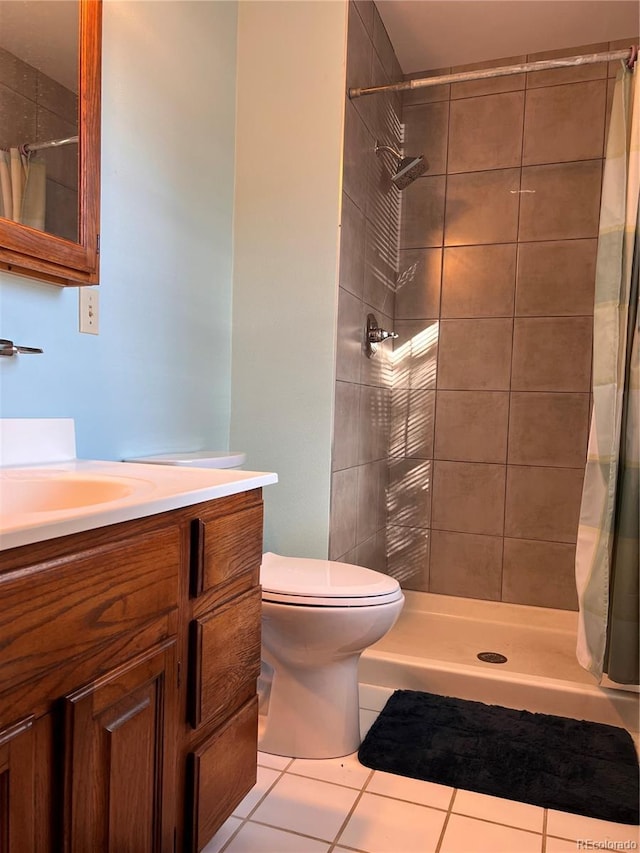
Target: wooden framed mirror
{"type": "Point", "coordinates": [61, 242]}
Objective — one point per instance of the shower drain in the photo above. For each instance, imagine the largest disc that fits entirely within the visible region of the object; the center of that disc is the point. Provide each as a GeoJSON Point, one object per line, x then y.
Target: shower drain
{"type": "Point", "coordinates": [492, 657]}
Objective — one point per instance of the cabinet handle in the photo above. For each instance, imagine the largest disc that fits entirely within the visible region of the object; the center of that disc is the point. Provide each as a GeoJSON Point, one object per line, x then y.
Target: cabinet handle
{"type": "Point", "coordinates": [197, 557]}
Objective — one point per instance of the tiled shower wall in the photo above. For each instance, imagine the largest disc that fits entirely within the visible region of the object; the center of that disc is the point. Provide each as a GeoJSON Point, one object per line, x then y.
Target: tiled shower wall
{"type": "Point", "coordinates": [35, 108]}
{"type": "Point", "coordinates": [491, 374]}
{"type": "Point", "coordinates": [368, 268]}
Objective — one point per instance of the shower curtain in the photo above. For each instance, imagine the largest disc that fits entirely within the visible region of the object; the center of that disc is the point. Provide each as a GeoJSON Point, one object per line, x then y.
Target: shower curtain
{"type": "Point", "coordinates": [607, 560]}
{"type": "Point", "coordinates": [22, 188]}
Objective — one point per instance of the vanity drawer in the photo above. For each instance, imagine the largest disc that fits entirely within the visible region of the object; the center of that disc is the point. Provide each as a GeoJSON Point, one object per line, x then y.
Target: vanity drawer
{"type": "Point", "coordinates": [224, 548]}
{"type": "Point", "coordinates": [224, 658]}
{"type": "Point", "coordinates": [56, 614]}
{"type": "Point", "coordinates": [220, 772]}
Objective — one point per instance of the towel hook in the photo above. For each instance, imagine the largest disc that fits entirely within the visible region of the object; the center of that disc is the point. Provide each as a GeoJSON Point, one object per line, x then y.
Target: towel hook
{"type": "Point", "coordinates": [8, 348]}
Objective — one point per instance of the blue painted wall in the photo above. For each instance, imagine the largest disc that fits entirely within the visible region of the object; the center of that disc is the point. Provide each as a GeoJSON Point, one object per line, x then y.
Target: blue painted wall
{"type": "Point", "coordinates": [157, 378]}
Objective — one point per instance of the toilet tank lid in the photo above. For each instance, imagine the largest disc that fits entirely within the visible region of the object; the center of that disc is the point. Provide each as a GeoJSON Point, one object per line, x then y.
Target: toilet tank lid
{"type": "Point", "coordinates": [322, 578]}
{"type": "Point", "coordinates": [196, 459]}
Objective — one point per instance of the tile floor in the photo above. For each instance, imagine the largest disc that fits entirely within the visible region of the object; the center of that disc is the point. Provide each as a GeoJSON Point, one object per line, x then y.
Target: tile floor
{"type": "Point", "coordinates": [302, 806]}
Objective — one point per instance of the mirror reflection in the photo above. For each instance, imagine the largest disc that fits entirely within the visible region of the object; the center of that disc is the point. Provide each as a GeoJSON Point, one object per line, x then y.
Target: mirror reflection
{"type": "Point", "coordinates": [39, 115]}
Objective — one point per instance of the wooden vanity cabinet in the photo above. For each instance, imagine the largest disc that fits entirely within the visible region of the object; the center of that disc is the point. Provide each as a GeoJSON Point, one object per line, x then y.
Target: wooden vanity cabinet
{"type": "Point", "coordinates": [125, 699]}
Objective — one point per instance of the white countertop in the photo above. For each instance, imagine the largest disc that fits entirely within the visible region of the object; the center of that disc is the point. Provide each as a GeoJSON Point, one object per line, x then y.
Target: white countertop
{"type": "Point", "coordinates": [150, 489]}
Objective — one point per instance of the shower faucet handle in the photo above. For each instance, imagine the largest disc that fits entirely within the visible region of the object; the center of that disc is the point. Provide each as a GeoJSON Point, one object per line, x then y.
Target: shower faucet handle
{"type": "Point", "coordinates": [375, 335]}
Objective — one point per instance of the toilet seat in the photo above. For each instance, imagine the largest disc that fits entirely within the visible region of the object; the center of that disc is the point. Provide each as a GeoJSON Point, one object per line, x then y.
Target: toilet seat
{"type": "Point", "coordinates": [324, 583]}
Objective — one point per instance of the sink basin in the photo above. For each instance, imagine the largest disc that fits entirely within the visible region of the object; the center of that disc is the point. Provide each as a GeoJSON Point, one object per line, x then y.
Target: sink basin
{"type": "Point", "coordinates": [28, 494]}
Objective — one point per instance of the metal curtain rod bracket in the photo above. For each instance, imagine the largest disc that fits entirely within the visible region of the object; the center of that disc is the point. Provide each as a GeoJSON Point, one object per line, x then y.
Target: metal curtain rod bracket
{"type": "Point", "coordinates": [629, 55]}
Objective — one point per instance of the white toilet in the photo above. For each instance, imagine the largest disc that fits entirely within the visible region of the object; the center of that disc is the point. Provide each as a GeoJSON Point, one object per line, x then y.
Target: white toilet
{"type": "Point", "coordinates": [318, 616]}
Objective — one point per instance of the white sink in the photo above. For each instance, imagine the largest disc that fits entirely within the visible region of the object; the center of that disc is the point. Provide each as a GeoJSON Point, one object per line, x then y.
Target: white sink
{"type": "Point", "coordinates": [46, 492]}
{"type": "Point", "coordinates": [56, 491]}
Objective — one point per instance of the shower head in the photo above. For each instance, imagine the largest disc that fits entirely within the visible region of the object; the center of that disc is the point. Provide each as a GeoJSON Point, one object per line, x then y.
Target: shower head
{"type": "Point", "coordinates": [407, 168]}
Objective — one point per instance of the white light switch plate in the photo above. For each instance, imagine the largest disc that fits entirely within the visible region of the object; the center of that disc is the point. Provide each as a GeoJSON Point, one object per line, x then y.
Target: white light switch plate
{"type": "Point", "coordinates": [89, 310]}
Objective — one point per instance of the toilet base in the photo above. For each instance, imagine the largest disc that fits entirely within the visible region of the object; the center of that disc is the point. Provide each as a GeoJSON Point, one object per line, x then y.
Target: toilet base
{"type": "Point", "coordinates": [312, 713]}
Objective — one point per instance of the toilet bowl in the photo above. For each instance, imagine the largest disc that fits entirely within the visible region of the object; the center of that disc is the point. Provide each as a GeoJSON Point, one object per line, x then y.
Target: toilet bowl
{"type": "Point", "coordinates": [318, 616]}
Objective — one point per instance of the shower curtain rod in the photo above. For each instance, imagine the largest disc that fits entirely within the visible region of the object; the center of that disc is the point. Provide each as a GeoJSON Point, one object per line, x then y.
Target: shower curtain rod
{"type": "Point", "coordinates": [629, 55]}
{"type": "Point", "coordinates": [53, 143]}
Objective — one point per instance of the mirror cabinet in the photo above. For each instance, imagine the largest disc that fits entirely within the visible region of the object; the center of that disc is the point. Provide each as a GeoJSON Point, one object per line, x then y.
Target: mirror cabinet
{"type": "Point", "coordinates": [50, 72]}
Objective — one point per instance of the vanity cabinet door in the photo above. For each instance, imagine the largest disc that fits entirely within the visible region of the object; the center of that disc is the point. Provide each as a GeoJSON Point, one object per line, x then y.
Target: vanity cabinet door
{"type": "Point", "coordinates": [17, 788]}
{"type": "Point", "coordinates": [221, 770]}
{"type": "Point", "coordinates": [120, 758]}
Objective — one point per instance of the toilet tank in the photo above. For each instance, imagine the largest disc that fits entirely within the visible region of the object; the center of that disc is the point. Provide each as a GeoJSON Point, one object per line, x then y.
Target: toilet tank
{"type": "Point", "coordinates": [196, 459]}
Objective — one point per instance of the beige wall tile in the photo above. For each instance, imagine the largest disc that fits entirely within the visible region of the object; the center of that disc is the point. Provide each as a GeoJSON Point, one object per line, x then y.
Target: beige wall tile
{"type": "Point", "coordinates": [409, 492]}
{"type": "Point", "coordinates": [543, 503]}
{"type": "Point", "coordinates": [556, 277]}
{"type": "Point", "coordinates": [342, 524]}
{"type": "Point", "coordinates": [58, 99]}
{"type": "Point", "coordinates": [475, 355]}
{"type": "Point", "coordinates": [383, 45]}
{"type": "Point", "coordinates": [358, 157]}
{"type": "Point", "coordinates": [371, 497]}
{"type": "Point", "coordinates": [560, 201]}
{"type": "Point", "coordinates": [415, 354]}
{"type": "Point", "coordinates": [556, 76]}
{"type": "Point", "coordinates": [465, 564]}
{"type": "Point", "coordinates": [479, 281]}
{"type": "Point", "coordinates": [422, 219]}
{"type": "Point", "coordinates": [350, 330]}
{"type": "Point", "coordinates": [468, 497]}
{"type": "Point", "coordinates": [412, 420]}
{"type": "Point", "coordinates": [17, 75]}
{"type": "Point", "coordinates": [366, 9]}
{"type": "Point", "coordinates": [482, 207]}
{"type": "Point", "coordinates": [17, 118]}
{"type": "Point", "coordinates": [471, 426]}
{"type": "Point", "coordinates": [372, 553]}
{"type": "Point", "coordinates": [360, 63]}
{"type": "Point", "coordinates": [425, 132]}
{"type": "Point", "coordinates": [552, 354]}
{"type": "Point", "coordinates": [380, 268]}
{"type": "Point", "coordinates": [418, 284]}
{"type": "Point", "coordinates": [540, 574]}
{"type": "Point", "coordinates": [345, 426]}
{"type": "Point", "coordinates": [408, 556]}
{"type": "Point", "coordinates": [352, 246]}
{"type": "Point", "coordinates": [548, 429]}
{"type": "Point", "coordinates": [564, 123]}
{"type": "Point", "coordinates": [486, 132]}
{"type": "Point", "coordinates": [373, 430]}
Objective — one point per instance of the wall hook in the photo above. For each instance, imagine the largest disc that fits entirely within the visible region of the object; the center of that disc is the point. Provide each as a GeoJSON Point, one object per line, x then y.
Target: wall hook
{"type": "Point", "coordinates": [9, 348]}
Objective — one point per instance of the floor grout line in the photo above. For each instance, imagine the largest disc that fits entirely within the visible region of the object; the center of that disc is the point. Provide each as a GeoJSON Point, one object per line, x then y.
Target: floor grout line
{"type": "Point", "coordinates": [351, 811]}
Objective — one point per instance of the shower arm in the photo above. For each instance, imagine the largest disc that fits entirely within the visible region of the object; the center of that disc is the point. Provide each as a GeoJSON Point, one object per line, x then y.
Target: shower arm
{"type": "Point", "coordinates": [388, 148]}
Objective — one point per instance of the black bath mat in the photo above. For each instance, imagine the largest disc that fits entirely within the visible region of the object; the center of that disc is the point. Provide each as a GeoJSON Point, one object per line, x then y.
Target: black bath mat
{"type": "Point", "coordinates": [553, 762]}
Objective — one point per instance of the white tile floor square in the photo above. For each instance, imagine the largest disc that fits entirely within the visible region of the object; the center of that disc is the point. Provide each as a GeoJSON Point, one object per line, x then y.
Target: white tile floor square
{"type": "Point", "coordinates": [303, 806]}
